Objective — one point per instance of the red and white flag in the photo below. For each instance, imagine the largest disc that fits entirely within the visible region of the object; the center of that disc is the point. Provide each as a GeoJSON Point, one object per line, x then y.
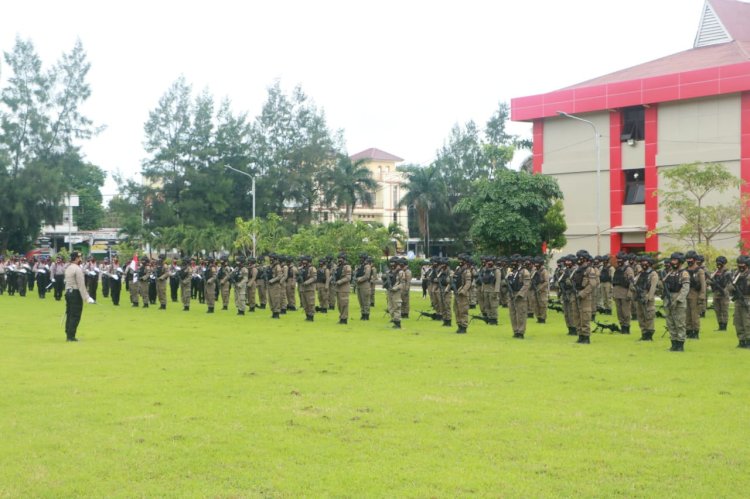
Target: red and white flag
{"type": "Point", "coordinates": [134, 262]}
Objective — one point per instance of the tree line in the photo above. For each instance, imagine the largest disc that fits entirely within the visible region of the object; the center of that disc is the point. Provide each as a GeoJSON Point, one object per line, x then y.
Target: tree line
{"type": "Point", "coordinates": [202, 156]}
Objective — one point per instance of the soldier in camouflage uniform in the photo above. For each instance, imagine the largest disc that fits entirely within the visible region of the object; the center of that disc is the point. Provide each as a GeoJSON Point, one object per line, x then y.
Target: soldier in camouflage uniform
{"type": "Point", "coordinates": [240, 287]}
{"type": "Point", "coordinates": [566, 292]}
{"type": "Point", "coordinates": [695, 297]}
{"type": "Point", "coordinates": [274, 285]}
{"type": "Point", "coordinates": [585, 280]}
{"type": "Point", "coordinates": [362, 277]}
{"type": "Point", "coordinates": [252, 283]}
{"type": "Point", "coordinates": [406, 288]}
{"type": "Point", "coordinates": [645, 292]}
{"type": "Point", "coordinates": [323, 277]}
{"type": "Point", "coordinates": [720, 281]}
{"type": "Point", "coordinates": [519, 283]}
{"type": "Point", "coordinates": [622, 279]}
{"type": "Point", "coordinates": [307, 277]}
{"type": "Point", "coordinates": [210, 276]}
{"type": "Point", "coordinates": [740, 289]}
{"type": "Point", "coordinates": [443, 282]}
{"type": "Point", "coordinates": [605, 286]}
{"type": "Point", "coordinates": [394, 284]}
{"type": "Point", "coordinates": [463, 279]}
{"type": "Point", "coordinates": [342, 280]}
{"type": "Point", "coordinates": [675, 291]}
{"type": "Point", "coordinates": [489, 279]}
{"type": "Point", "coordinates": [540, 285]}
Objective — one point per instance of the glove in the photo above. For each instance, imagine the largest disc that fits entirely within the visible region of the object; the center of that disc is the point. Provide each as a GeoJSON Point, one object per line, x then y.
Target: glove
{"type": "Point", "coordinates": [91, 300]}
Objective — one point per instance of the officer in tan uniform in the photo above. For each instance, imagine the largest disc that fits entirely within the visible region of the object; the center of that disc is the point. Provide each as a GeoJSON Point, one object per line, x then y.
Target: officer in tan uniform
{"type": "Point", "coordinates": [605, 285]}
{"type": "Point", "coordinates": [240, 286]}
{"type": "Point", "coordinates": [645, 292]}
{"type": "Point", "coordinates": [696, 296]}
{"type": "Point", "coordinates": [463, 279]}
{"type": "Point", "coordinates": [252, 283]}
{"type": "Point", "coordinates": [75, 296]}
{"type": "Point", "coordinates": [566, 291]}
{"type": "Point", "coordinates": [225, 273]}
{"type": "Point", "coordinates": [405, 288]}
{"type": "Point", "coordinates": [291, 284]}
{"type": "Point", "coordinates": [519, 283]}
{"type": "Point", "coordinates": [443, 283]}
{"type": "Point", "coordinates": [674, 292]}
{"type": "Point", "coordinates": [144, 276]}
{"type": "Point", "coordinates": [332, 283]}
{"type": "Point", "coordinates": [373, 281]}
{"type": "Point", "coordinates": [362, 276]}
{"type": "Point", "coordinates": [262, 282]}
{"type": "Point", "coordinates": [585, 280]}
{"type": "Point", "coordinates": [282, 281]}
{"type": "Point", "coordinates": [342, 279]}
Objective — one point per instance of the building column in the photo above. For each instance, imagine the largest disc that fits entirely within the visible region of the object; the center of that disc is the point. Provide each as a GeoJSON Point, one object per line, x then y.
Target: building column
{"type": "Point", "coordinates": [616, 180]}
{"type": "Point", "coordinates": [652, 178]}
{"type": "Point", "coordinates": [538, 146]}
{"type": "Point", "coordinates": [745, 167]}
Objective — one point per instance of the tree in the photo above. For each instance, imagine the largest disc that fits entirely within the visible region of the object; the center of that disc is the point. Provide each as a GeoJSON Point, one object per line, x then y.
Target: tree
{"type": "Point", "coordinates": [690, 202]}
{"type": "Point", "coordinates": [509, 213]}
{"type": "Point", "coordinates": [426, 191]}
{"type": "Point", "coordinates": [347, 183]}
{"type": "Point", "coordinates": [291, 145]}
{"type": "Point", "coordinates": [40, 126]}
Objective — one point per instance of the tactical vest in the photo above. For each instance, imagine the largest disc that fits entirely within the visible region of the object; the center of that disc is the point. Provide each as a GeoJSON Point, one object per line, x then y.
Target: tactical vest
{"type": "Point", "coordinates": [515, 280]}
{"type": "Point", "coordinates": [290, 272]}
{"type": "Point", "coordinates": [488, 276]}
{"type": "Point", "coordinates": [604, 275]}
{"type": "Point", "coordinates": [360, 271]}
{"type": "Point", "coordinates": [672, 282]}
{"type": "Point", "coordinates": [642, 281]}
{"type": "Point", "coordinates": [442, 278]}
{"type": "Point", "coordinates": [537, 279]}
{"type": "Point", "coordinates": [578, 276]}
{"type": "Point", "coordinates": [321, 277]}
{"type": "Point", "coordinates": [339, 272]}
{"type": "Point", "coordinates": [458, 278]}
{"type": "Point", "coordinates": [619, 278]}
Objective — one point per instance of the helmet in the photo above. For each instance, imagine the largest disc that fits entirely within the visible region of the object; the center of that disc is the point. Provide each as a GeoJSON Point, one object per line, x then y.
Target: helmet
{"type": "Point", "coordinates": [583, 254]}
{"type": "Point", "coordinates": [691, 255]}
{"type": "Point", "coordinates": [677, 256]}
{"type": "Point", "coordinates": [743, 260]}
{"type": "Point", "coordinates": [721, 260]}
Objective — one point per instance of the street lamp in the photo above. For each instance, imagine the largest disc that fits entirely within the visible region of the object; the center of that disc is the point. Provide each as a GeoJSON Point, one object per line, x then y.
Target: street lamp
{"type": "Point", "coordinates": [598, 176]}
{"type": "Point", "coordinates": [251, 192]}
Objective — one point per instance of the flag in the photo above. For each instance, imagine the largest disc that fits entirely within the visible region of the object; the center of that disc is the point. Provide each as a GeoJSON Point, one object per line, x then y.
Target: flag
{"type": "Point", "coordinates": [134, 266]}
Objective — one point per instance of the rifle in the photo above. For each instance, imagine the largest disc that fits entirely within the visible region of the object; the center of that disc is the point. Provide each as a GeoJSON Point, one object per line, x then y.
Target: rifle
{"type": "Point", "coordinates": [481, 318]}
{"type": "Point", "coordinates": [432, 315]}
{"type": "Point", "coordinates": [601, 326]}
{"type": "Point", "coordinates": [556, 307]}
{"type": "Point", "coordinates": [739, 297]}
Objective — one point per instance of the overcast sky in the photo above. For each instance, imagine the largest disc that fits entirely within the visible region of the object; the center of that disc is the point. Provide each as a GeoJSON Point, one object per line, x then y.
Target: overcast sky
{"type": "Point", "coordinates": [396, 75]}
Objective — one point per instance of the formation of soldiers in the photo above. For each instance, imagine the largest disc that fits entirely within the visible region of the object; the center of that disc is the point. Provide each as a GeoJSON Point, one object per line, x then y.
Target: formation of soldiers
{"type": "Point", "coordinates": [584, 286]}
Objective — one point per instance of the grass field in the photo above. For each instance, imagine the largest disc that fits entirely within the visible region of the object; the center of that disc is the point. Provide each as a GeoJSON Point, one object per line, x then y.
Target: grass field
{"type": "Point", "coordinates": [167, 403]}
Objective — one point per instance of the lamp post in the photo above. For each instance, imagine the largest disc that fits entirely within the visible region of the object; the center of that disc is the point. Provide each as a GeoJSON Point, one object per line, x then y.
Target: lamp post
{"type": "Point", "coordinates": [598, 176]}
{"type": "Point", "coordinates": [252, 177]}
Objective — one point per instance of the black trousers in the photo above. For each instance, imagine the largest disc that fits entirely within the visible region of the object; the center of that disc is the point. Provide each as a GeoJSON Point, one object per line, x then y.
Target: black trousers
{"type": "Point", "coordinates": [59, 286]}
{"type": "Point", "coordinates": [73, 310]}
{"type": "Point", "coordinates": [115, 286]}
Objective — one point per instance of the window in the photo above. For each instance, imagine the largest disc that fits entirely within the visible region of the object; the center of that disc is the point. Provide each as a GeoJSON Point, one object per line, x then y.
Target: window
{"type": "Point", "coordinates": [635, 186]}
{"type": "Point", "coordinates": [633, 119]}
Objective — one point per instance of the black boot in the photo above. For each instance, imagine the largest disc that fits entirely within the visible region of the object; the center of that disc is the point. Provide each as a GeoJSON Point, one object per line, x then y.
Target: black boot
{"type": "Point", "coordinates": [225, 307]}
{"type": "Point", "coordinates": [275, 315]}
{"type": "Point", "coordinates": [309, 318]}
{"type": "Point", "coordinates": [240, 312]}
{"type": "Point", "coordinates": [742, 344]}
{"type": "Point", "coordinates": [625, 329]}
{"type": "Point", "coordinates": [210, 310]}
{"type": "Point", "coordinates": [186, 308]}
{"type": "Point", "coordinates": [282, 311]}
{"type": "Point", "coordinates": [572, 331]}
{"type": "Point", "coordinates": [162, 307]}
{"type": "Point", "coordinates": [447, 323]}
{"type": "Point", "coordinates": [145, 305]}
{"type": "Point", "coordinates": [584, 340]}
{"type": "Point", "coordinates": [493, 322]}
{"type": "Point", "coordinates": [343, 321]}
{"type": "Point", "coordinates": [696, 334]}
{"type": "Point", "coordinates": [647, 336]}
{"type": "Point", "coordinates": [722, 326]}
{"type": "Point", "coordinates": [367, 317]}
{"type": "Point", "coordinates": [541, 321]}
{"type": "Point", "coordinates": [461, 330]}
{"type": "Point", "coordinates": [518, 336]}
{"type": "Point", "coordinates": [263, 306]}
{"type": "Point", "coordinates": [396, 325]}
{"type": "Point", "coordinates": [404, 316]}
{"type": "Point", "coordinates": [679, 346]}
{"type": "Point", "coordinates": [530, 315]}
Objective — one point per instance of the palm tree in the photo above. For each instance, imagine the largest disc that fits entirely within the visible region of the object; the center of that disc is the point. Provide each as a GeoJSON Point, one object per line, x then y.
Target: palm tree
{"type": "Point", "coordinates": [347, 183]}
{"type": "Point", "coordinates": [426, 191]}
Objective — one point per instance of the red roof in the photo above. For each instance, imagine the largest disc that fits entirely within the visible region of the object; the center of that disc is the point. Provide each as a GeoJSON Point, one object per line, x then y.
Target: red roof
{"type": "Point", "coordinates": [711, 70]}
{"type": "Point", "coordinates": [375, 154]}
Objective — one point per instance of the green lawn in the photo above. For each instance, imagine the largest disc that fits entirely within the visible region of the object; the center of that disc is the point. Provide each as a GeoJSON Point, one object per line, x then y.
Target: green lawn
{"type": "Point", "coordinates": [167, 403]}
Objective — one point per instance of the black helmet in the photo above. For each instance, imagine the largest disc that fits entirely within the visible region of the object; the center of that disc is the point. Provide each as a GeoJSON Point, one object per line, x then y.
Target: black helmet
{"type": "Point", "coordinates": [691, 255]}
{"type": "Point", "coordinates": [721, 260]}
{"type": "Point", "coordinates": [677, 256]}
{"type": "Point", "coordinates": [583, 254]}
{"type": "Point", "coordinates": [743, 260]}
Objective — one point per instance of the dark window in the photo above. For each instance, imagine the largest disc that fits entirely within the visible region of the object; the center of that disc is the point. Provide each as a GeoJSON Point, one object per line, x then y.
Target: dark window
{"type": "Point", "coordinates": [633, 119]}
{"type": "Point", "coordinates": [635, 187]}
